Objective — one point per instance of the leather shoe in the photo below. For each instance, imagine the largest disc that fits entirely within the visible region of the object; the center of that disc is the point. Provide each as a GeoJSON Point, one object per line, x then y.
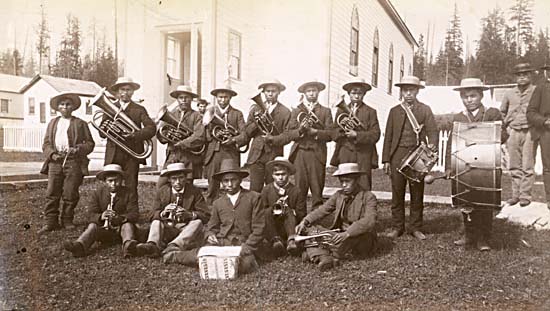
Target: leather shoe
{"type": "Point", "coordinates": [49, 228]}
{"type": "Point", "coordinates": [278, 248]}
{"type": "Point", "coordinates": [419, 235]}
{"type": "Point", "coordinates": [292, 248]}
{"type": "Point", "coordinates": [512, 201]}
{"type": "Point", "coordinates": [524, 202]}
{"type": "Point", "coordinates": [129, 248]}
{"type": "Point", "coordinates": [149, 249]}
{"type": "Point", "coordinates": [76, 248]}
{"type": "Point", "coordinates": [483, 246]}
{"type": "Point", "coordinates": [326, 262]}
{"type": "Point", "coordinates": [395, 233]}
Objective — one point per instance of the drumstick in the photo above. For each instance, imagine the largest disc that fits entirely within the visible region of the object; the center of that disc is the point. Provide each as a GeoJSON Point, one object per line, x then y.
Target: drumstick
{"type": "Point", "coordinates": [431, 178]}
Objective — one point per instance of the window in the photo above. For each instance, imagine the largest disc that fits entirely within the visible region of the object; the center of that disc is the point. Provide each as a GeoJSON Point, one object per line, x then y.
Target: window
{"type": "Point", "coordinates": [172, 57]}
{"type": "Point", "coordinates": [234, 55]}
{"type": "Point", "coordinates": [375, 52]}
{"type": "Point", "coordinates": [31, 106]}
{"type": "Point", "coordinates": [354, 43]}
{"type": "Point", "coordinates": [88, 107]}
{"type": "Point", "coordinates": [401, 68]}
{"type": "Point", "coordinates": [4, 106]}
{"type": "Point", "coordinates": [390, 70]}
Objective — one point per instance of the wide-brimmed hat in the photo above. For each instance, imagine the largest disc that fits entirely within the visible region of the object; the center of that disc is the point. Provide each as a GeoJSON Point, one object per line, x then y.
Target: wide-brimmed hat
{"type": "Point", "coordinates": [110, 169]}
{"type": "Point", "coordinates": [319, 85]}
{"type": "Point", "coordinates": [230, 166]}
{"type": "Point", "coordinates": [410, 80]}
{"type": "Point", "coordinates": [183, 89]}
{"type": "Point", "coordinates": [356, 82]}
{"type": "Point", "coordinates": [348, 169]}
{"type": "Point", "coordinates": [123, 81]}
{"type": "Point", "coordinates": [471, 83]}
{"type": "Point", "coordinates": [523, 67]}
{"type": "Point", "coordinates": [175, 168]}
{"type": "Point", "coordinates": [283, 162]}
{"type": "Point", "coordinates": [54, 101]}
{"type": "Point", "coordinates": [227, 89]}
{"type": "Point", "coordinates": [275, 82]}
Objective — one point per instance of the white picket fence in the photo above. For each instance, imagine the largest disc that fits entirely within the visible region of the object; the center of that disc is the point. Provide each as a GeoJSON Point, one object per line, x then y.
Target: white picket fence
{"type": "Point", "coordinates": [26, 138]}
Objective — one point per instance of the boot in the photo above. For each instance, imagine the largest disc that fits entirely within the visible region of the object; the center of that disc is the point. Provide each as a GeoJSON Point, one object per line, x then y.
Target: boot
{"type": "Point", "coordinates": [278, 248]}
{"type": "Point", "coordinates": [51, 225]}
{"type": "Point", "coordinates": [292, 248]}
{"type": "Point", "coordinates": [187, 258]}
{"type": "Point", "coordinates": [67, 216]}
{"type": "Point", "coordinates": [483, 245]}
{"type": "Point", "coordinates": [76, 248]}
{"type": "Point", "coordinates": [129, 248]}
{"type": "Point", "coordinates": [325, 263]}
{"type": "Point", "coordinates": [149, 249]}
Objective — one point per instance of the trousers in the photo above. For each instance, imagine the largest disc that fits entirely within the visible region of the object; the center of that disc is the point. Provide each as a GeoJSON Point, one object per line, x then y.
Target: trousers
{"type": "Point", "coordinates": [63, 183]}
{"type": "Point", "coordinates": [185, 236]}
{"type": "Point", "coordinates": [522, 150]}
{"type": "Point", "coordinates": [310, 175]}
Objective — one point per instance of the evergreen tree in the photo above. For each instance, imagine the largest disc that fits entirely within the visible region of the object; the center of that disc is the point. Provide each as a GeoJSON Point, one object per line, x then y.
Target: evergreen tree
{"type": "Point", "coordinates": [419, 60]}
{"type": "Point", "coordinates": [43, 46]}
{"type": "Point", "coordinates": [68, 63]}
{"type": "Point", "coordinates": [11, 62]}
{"type": "Point", "coordinates": [522, 20]}
{"type": "Point", "coordinates": [30, 67]}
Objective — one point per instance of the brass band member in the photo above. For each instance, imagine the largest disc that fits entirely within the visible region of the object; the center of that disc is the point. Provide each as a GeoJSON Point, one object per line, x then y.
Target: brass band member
{"type": "Point", "coordinates": [201, 106]}
{"type": "Point", "coordinates": [477, 221]}
{"type": "Point", "coordinates": [237, 219]}
{"type": "Point", "coordinates": [266, 146]}
{"type": "Point", "coordinates": [285, 207]}
{"type": "Point", "coordinates": [67, 143]}
{"type": "Point", "coordinates": [409, 123]}
{"type": "Point", "coordinates": [354, 212]}
{"type": "Point", "coordinates": [182, 151]}
{"type": "Point", "coordinates": [216, 150]}
{"type": "Point", "coordinates": [124, 89]}
{"type": "Point", "coordinates": [311, 128]}
{"type": "Point", "coordinates": [356, 143]}
{"type": "Point", "coordinates": [113, 211]}
{"type": "Point", "coordinates": [179, 213]}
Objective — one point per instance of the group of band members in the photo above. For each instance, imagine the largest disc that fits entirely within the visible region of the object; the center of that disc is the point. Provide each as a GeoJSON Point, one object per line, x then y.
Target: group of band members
{"type": "Point", "coordinates": [268, 217]}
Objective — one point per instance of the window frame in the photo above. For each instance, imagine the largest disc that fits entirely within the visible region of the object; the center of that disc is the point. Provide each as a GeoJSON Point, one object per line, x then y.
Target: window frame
{"type": "Point", "coordinates": [31, 106]}
{"type": "Point", "coordinates": [402, 68]}
{"type": "Point", "coordinates": [231, 56]}
{"type": "Point", "coordinates": [354, 43]}
{"type": "Point", "coordinates": [390, 70]}
{"type": "Point", "coordinates": [375, 58]}
{"type": "Point", "coordinates": [5, 101]}
{"type": "Point", "coordinates": [173, 62]}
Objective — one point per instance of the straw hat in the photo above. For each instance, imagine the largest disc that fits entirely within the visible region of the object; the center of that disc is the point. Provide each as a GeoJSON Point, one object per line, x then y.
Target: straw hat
{"type": "Point", "coordinates": [282, 161]}
{"type": "Point", "coordinates": [110, 169]}
{"type": "Point", "coordinates": [174, 168]}
{"type": "Point", "coordinates": [471, 83]}
{"type": "Point", "coordinates": [275, 82]}
{"type": "Point", "coordinates": [356, 82]}
{"type": "Point", "coordinates": [227, 89]}
{"type": "Point", "coordinates": [229, 166]}
{"type": "Point", "coordinates": [75, 99]}
{"type": "Point", "coordinates": [183, 89]}
{"type": "Point", "coordinates": [123, 81]}
{"type": "Point", "coordinates": [348, 169]}
{"type": "Point", "coordinates": [410, 80]}
{"type": "Point", "coordinates": [319, 85]}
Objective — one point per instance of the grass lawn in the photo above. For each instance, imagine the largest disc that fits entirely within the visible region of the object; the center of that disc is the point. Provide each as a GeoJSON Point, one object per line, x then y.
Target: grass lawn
{"type": "Point", "coordinates": [405, 274]}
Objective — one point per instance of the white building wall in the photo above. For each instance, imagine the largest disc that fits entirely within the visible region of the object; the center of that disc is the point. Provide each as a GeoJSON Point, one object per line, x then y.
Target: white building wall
{"type": "Point", "coordinates": [15, 109]}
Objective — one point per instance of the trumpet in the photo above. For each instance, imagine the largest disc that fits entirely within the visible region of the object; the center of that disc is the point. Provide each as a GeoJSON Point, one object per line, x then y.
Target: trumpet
{"type": "Point", "coordinates": [347, 121]}
{"type": "Point", "coordinates": [116, 125]}
{"type": "Point", "coordinates": [263, 119]}
{"type": "Point", "coordinates": [222, 131]}
{"type": "Point", "coordinates": [173, 130]}
{"type": "Point", "coordinates": [280, 206]}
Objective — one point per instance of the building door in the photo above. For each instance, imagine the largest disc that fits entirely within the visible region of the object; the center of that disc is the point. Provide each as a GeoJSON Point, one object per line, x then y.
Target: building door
{"type": "Point", "coordinates": [42, 112]}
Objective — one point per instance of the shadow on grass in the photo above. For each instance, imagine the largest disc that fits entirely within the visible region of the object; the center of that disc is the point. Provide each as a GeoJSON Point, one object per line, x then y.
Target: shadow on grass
{"type": "Point", "coordinates": [447, 223]}
{"type": "Point", "coordinates": [506, 235]}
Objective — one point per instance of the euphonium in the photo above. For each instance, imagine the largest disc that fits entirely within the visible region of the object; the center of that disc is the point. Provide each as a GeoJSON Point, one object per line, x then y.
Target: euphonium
{"type": "Point", "coordinates": [263, 119]}
{"type": "Point", "coordinates": [346, 120]}
{"type": "Point", "coordinates": [222, 131]}
{"type": "Point", "coordinates": [173, 130]}
{"type": "Point", "coordinates": [116, 125]}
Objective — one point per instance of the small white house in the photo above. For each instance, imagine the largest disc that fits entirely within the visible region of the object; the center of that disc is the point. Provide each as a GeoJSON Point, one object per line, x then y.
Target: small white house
{"type": "Point", "coordinates": [11, 100]}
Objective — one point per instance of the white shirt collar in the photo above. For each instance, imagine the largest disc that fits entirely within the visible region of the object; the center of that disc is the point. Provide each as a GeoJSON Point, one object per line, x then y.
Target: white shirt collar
{"type": "Point", "coordinates": [474, 113]}
{"type": "Point", "coordinates": [176, 192]}
{"type": "Point", "coordinates": [124, 105]}
{"type": "Point", "coordinates": [223, 111]}
{"type": "Point", "coordinates": [271, 107]}
{"type": "Point", "coordinates": [233, 198]}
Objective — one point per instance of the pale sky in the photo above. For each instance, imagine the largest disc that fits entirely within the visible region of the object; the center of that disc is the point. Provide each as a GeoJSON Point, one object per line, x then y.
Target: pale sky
{"type": "Point", "coordinates": [21, 17]}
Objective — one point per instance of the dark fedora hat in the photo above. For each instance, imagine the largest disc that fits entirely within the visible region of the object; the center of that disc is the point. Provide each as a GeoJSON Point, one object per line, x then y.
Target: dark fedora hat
{"type": "Point", "coordinates": [230, 166]}
{"type": "Point", "coordinates": [523, 67]}
{"type": "Point", "coordinates": [282, 161]}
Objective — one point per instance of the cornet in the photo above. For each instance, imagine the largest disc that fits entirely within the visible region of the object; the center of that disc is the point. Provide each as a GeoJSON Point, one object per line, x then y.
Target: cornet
{"type": "Point", "coordinates": [322, 236]}
{"type": "Point", "coordinates": [116, 125]}
{"type": "Point", "coordinates": [170, 211]}
{"type": "Point", "coordinates": [173, 130]}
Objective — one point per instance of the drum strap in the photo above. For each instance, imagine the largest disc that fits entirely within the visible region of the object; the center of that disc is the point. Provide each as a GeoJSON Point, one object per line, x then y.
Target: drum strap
{"type": "Point", "coordinates": [417, 128]}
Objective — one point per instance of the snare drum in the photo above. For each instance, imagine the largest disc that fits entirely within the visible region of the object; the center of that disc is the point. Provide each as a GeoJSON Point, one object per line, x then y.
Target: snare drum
{"type": "Point", "coordinates": [476, 164]}
{"type": "Point", "coordinates": [418, 163]}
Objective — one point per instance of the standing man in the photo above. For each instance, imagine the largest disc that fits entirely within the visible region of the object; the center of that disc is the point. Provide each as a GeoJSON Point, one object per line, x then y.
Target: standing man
{"type": "Point", "coordinates": [357, 144]}
{"type": "Point", "coordinates": [538, 116]}
{"type": "Point", "coordinates": [217, 150]}
{"type": "Point", "coordinates": [201, 106]}
{"type": "Point", "coordinates": [521, 147]}
{"type": "Point", "coordinates": [266, 146]}
{"type": "Point", "coordinates": [67, 143]}
{"type": "Point", "coordinates": [409, 124]}
{"type": "Point", "coordinates": [124, 89]}
{"type": "Point", "coordinates": [182, 151]}
{"type": "Point", "coordinates": [310, 134]}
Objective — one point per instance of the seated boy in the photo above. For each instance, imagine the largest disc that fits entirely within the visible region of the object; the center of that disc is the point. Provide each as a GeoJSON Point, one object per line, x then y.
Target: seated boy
{"type": "Point", "coordinates": [354, 211]}
{"type": "Point", "coordinates": [285, 206]}
{"type": "Point", "coordinates": [113, 211]}
{"type": "Point", "coordinates": [178, 214]}
{"type": "Point", "coordinates": [237, 219]}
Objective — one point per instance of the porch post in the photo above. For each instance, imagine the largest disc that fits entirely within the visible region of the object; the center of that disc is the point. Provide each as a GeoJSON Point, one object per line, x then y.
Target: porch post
{"type": "Point", "coordinates": [194, 61]}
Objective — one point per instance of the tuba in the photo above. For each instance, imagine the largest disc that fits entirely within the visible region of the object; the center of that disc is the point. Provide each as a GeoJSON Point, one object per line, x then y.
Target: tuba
{"type": "Point", "coordinates": [263, 119]}
{"type": "Point", "coordinates": [173, 130]}
{"type": "Point", "coordinates": [346, 120]}
{"type": "Point", "coordinates": [116, 125]}
{"type": "Point", "coordinates": [222, 131]}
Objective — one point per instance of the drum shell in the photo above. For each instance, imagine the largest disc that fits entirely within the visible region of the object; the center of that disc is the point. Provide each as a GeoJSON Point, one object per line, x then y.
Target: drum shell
{"type": "Point", "coordinates": [417, 164]}
{"type": "Point", "coordinates": [476, 165]}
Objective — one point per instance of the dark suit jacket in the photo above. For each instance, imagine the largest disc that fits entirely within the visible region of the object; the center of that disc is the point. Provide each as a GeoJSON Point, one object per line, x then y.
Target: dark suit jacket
{"type": "Point", "coordinates": [394, 127]}
{"type": "Point", "coordinates": [235, 119]}
{"type": "Point", "coordinates": [281, 118]}
{"type": "Point", "coordinates": [193, 201]}
{"type": "Point", "coordinates": [364, 143]}
{"type": "Point", "coordinates": [296, 201]}
{"type": "Point", "coordinates": [79, 137]}
{"type": "Point", "coordinates": [193, 121]}
{"type": "Point", "coordinates": [483, 115]}
{"type": "Point", "coordinates": [247, 216]}
{"type": "Point", "coordinates": [317, 143]}
{"type": "Point", "coordinates": [538, 110]}
{"type": "Point", "coordinates": [138, 114]}
{"type": "Point", "coordinates": [361, 212]}
{"type": "Point", "coordinates": [125, 205]}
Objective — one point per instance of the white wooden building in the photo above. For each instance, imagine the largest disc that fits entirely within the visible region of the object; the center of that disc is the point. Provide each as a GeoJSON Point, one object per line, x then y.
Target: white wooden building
{"type": "Point", "coordinates": [208, 43]}
{"type": "Point", "coordinates": [11, 100]}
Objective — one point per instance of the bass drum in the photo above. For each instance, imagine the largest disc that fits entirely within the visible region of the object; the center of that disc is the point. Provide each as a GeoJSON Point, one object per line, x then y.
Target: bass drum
{"type": "Point", "coordinates": [476, 165]}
